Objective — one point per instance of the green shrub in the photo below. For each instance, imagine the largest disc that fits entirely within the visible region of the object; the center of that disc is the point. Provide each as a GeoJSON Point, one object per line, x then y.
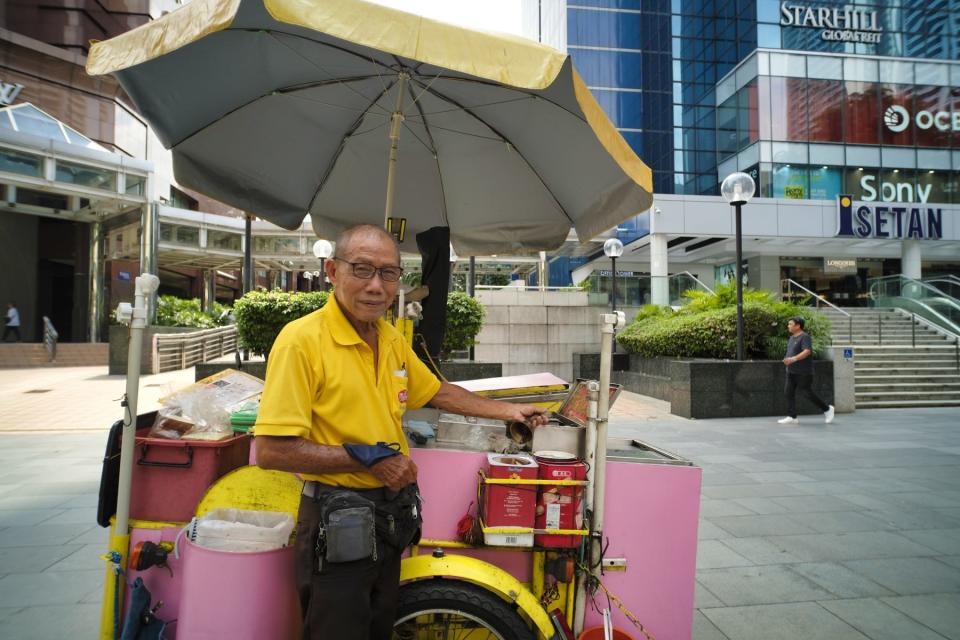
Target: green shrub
{"type": "Point", "coordinates": [177, 312]}
{"type": "Point", "coordinates": [707, 334]}
{"type": "Point", "coordinates": [707, 326]}
{"type": "Point", "coordinates": [260, 315]}
{"type": "Point", "coordinates": [464, 321]}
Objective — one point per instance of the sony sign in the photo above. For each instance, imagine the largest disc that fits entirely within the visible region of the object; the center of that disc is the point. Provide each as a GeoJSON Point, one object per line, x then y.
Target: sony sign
{"type": "Point", "coordinates": [849, 24]}
{"type": "Point", "coordinates": [861, 220]}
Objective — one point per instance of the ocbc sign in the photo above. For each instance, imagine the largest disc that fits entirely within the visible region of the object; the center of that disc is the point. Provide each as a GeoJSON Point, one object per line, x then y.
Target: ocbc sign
{"type": "Point", "coordinates": [897, 118]}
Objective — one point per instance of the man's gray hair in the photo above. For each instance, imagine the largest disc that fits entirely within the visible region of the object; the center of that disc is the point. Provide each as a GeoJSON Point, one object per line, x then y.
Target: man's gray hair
{"type": "Point", "coordinates": [347, 236]}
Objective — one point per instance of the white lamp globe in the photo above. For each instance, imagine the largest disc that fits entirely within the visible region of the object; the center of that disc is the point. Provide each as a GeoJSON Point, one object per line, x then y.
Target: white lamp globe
{"type": "Point", "coordinates": [738, 188]}
{"type": "Point", "coordinates": [322, 249]}
{"type": "Point", "coordinates": [613, 248]}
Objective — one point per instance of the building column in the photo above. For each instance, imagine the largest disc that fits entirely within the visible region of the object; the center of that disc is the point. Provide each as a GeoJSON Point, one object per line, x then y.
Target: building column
{"type": "Point", "coordinates": [659, 270]}
{"type": "Point", "coordinates": [763, 272]}
{"type": "Point", "coordinates": [95, 282]}
{"type": "Point", "coordinates": [910, 256]}
{"type": "Point", "coordinates": [149, 237]}
{"type": "Point", "coordinates": [209, 289]}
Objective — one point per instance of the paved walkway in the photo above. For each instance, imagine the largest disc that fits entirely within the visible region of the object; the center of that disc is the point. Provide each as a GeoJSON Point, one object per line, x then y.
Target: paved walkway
{"type": "Point", "coordinates": [850, 530]}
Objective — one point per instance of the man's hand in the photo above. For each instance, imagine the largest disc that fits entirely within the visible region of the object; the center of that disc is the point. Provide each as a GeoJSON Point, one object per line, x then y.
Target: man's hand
{"type": "Point", "coordinates": [395, 472]}
{"type": "Point", "coordinates": [533, 416]}
{"type": "Point", "coordinates": [787, 360]}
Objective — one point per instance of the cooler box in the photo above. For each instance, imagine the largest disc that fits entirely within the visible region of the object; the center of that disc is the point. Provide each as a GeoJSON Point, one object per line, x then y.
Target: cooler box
{"type": "Point", "coordinates": [506, 505]}
{"type": "Point", "coordinates": [170, 476]}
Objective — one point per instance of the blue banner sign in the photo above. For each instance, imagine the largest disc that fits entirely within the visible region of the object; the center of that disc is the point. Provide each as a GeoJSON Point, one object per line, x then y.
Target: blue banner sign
{"type": "Point", "coordinates": [887, 220]}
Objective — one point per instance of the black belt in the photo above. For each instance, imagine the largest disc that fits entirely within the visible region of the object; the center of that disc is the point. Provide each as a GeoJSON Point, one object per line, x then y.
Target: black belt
{"type": "Point", "coordinates": [314, 489]}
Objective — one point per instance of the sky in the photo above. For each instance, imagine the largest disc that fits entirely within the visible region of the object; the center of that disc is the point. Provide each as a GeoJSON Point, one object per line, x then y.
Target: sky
{"type": "Point", "coordinates": [489, 15]}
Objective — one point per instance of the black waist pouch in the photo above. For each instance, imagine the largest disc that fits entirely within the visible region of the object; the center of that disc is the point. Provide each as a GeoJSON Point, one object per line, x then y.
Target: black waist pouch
{"type": "Point", "coordinates": [399, 521]}
{"type": "Point", "coordinates": [347, 527]}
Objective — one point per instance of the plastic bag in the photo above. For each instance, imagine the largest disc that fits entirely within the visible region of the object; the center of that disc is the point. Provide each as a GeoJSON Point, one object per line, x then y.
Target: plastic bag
{"type": "Point", "coordinates": [241, 530]}
{"type": "Point", "coordinates": [209, 403]}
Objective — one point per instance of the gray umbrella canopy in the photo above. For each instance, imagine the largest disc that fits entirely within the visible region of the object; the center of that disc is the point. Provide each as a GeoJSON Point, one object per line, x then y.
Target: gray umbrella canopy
{"type": "Point", "coordinates": [285, 107]}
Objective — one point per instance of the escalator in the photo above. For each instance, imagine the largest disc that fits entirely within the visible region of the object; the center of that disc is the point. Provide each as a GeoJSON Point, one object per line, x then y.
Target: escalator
{"type": "Point", "coordinates": [931, 301]}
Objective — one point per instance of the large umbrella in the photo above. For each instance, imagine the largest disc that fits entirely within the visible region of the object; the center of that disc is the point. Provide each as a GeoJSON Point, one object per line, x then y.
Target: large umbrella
{"type": "Point", "coordinates": [351, 111]}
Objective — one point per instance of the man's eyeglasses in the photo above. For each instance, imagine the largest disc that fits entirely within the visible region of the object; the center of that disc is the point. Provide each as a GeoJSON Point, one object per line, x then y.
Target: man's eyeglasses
{"type": "Point", "coordinates": [366, 271]}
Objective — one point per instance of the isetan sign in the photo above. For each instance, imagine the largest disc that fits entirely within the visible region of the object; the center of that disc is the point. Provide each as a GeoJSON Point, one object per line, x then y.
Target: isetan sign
{"type": "Point", "coordinates": [868, 220]}
{"type": "Point", "coordinates": [847, 24]}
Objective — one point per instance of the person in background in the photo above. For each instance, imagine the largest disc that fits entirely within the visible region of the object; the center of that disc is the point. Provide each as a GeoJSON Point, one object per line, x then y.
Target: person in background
{"type": "Point", "coordinates": [799, 361]}
{"type": "Point", "coordinates": [13, 323]}
{"type": "Point", "coordinates": [338, 382]}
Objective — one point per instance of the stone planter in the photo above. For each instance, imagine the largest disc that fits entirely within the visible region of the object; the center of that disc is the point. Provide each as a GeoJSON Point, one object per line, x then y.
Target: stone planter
{"type": "Point", "coordinates": [120, 342]}
{"type": "Point", "coordinates": [701, 388]}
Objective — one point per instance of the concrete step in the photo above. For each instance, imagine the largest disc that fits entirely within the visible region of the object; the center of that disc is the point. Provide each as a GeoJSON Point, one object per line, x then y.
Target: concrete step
{"type": "Point", "coordinates": [947, 358]}
{"type": "Point", "coordinates": [890, 404]}
{"type": "Point", "coordinates": [897, 396]}
{"type": "Point", "coordinates": [69, 354]}
{"type": "Point", "coordinates": [906, 387]}
{"type": "Point", "coordinates": [944, 378]}
{"type": "Point", "coordinates": [900, 370]}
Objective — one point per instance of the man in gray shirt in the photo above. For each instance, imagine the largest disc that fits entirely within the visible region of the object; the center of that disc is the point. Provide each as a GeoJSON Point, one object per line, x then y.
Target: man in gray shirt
{"type": "Point", "coordinates": [799, 361]}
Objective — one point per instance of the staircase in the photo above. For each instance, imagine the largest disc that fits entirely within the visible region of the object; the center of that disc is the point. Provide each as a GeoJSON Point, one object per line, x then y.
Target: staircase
{"type": "Point", "coordinates": [898, 362]}
{"type": "Point", "coordinates": [15, 355]}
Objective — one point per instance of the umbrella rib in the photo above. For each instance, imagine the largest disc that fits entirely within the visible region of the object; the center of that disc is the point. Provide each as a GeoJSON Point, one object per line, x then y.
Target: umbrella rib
{"type": "Point", "coordinates": [436, 155]}
{"type": "Point", "coordinates": [466, 110]}
{"type": "Point", "coordinates": [343, 143]}
{"type": "Point", "coordinates": [273, 34]}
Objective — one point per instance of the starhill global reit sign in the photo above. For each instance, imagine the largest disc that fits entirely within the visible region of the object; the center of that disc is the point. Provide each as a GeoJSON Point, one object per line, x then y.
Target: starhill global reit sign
{"type": "Point", "coordinates": [837, 24]}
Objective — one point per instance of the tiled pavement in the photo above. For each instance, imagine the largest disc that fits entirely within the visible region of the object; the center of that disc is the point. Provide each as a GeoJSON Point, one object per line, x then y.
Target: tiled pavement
{"type": "Point", "coordinates": [818, 532]}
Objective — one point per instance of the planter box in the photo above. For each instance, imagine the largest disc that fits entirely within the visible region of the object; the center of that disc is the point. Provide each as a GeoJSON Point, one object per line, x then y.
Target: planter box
{"type": "Point", "coordinates": [120, 342]}
{"type": "Point", "coordinates": [712, 388]}
{"type": "Point", "coordinates": [452, 370]}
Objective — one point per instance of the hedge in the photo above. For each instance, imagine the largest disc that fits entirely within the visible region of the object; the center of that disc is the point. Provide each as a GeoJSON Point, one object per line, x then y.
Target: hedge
{"type": "Point", "coordinates": [707, 326]}
{"type": "Point", "coordinates": [464, 321]}
{"type": "Point", "coordinates": [178, 312]}
{"type": "Point", "coordinates": [262, 314]}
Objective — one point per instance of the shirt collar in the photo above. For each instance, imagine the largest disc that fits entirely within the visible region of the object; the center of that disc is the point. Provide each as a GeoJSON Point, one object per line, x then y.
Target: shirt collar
{"type": "Point", "coordinates": [341, 329]}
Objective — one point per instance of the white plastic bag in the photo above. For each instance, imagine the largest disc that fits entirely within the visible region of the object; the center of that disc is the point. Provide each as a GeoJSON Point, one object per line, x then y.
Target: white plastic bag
{"type": "Point", "coordinates": [241, 530]}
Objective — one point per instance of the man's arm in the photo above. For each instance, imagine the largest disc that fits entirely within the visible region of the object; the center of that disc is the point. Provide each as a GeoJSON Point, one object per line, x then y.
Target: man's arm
{"type": "Point", "coordinates": [458, 400]}
{"type": "Point", "coordinates": [800, 356]}
{"type": "Point", "coordinates": [297, 455]}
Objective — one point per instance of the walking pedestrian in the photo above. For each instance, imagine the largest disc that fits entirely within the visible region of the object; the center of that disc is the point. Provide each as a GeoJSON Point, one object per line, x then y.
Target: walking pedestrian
{"type": "Point", "coordinates": [13, 323]}
{"type": "Point", "coordinates": [799, 361]}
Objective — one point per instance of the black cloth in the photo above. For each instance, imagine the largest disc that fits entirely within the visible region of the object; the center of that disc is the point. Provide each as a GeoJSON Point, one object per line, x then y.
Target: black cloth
{"type": "Point", "coordinates": [434, 246]}
{"type": "Point", "coordinates": [804, 383]}
{"type": "Point", "coordinates": [355, 600]}
{"type": "Point", "coordinates": [795, 346]}
{"type": "Point", "coordinates": [11, 331]}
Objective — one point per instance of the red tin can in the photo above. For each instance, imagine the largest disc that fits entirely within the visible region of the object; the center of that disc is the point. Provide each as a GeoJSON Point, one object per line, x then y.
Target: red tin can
{"type": "Point", "coordinates": [559, 507]}
{"type": "Point", "coordinates": [506, 505]}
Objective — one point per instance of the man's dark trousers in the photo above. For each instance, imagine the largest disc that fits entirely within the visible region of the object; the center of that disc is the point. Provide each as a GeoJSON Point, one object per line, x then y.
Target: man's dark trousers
{"type": "Point", "coordinates": [348, 600]}
{"type": "Point", "coordinates": [803, 382]}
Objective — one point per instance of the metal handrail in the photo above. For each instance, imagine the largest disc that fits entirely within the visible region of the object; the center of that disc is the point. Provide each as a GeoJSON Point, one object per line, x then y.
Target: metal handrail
{"type": "Point", "coordinates": [693, 277]}
{"type": "Point", "coordinates": [790, 283]}
{"type": "Point", "coordinates": [172, 351]}
{"type": "Point", "coordinates": [874, 282]}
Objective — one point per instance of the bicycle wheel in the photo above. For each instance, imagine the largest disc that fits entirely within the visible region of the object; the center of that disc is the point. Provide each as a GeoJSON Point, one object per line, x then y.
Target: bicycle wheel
{"type": "Point", "coordinates": [452, 610]}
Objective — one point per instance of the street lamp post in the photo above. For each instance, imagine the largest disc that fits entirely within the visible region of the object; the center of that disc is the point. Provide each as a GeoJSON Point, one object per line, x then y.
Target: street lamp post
{"type": "Point", "coordinates": [323, 249]}
{"type": "Point", "coordinates": [737, 189]}
{"type": "Point", "coordinates": [613, 249]}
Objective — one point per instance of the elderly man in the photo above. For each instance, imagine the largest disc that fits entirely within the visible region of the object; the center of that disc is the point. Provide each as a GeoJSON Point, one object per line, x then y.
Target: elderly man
{"type": "Point", "coordinates": [338, 383]}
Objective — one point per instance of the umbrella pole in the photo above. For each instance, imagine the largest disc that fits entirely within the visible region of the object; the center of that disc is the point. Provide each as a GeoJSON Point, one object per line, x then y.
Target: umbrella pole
{"type": "Point", "coordinates": [396, 121]}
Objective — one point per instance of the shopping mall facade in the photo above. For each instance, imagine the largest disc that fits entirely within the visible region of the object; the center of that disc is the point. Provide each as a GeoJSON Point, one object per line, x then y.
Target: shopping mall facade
{"type": "Point", "coordinates": [822, 103]}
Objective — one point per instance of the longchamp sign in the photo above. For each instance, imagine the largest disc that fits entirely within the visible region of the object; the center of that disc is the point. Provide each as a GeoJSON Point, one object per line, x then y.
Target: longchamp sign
{"type": "Point", "coordinates": [847, 24]}
{"type": "Point", "coordinates": [869, 220]}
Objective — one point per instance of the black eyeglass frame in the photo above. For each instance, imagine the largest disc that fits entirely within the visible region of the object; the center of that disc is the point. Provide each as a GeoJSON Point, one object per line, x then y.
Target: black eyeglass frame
{"type": "Point", "coordinates": [376, 270]}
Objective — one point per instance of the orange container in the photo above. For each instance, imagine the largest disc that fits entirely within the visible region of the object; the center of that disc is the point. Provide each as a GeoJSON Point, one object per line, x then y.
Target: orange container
{"type": "Point", "coordinates": [596, 633]}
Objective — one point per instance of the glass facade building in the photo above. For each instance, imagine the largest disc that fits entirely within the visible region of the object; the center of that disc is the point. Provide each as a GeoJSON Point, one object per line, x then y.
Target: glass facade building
{"type": "Point", "coordinates": [660, 70]}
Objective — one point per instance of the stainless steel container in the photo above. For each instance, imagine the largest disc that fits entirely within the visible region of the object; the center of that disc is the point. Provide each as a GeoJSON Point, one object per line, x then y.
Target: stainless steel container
{"type": "Point", "coordinates": [467, 432]}
{"type": "Point", "coordinates": [559, 437]}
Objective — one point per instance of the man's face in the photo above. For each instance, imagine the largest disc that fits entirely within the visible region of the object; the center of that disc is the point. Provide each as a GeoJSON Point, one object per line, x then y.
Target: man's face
{"type": "Point", "coordinates": [792, 327]}
{"type": "Point", "coordinates": [364, 300]}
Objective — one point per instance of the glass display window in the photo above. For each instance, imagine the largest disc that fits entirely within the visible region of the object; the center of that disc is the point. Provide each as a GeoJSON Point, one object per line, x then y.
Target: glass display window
{"type": "Point", "coordinates": [788, 109]}
{"type": "Point", "coordinates": [862, 113]}
{"type": "Point", "coordinates": [825, 182]}
{"type": "Point", "coordinates": [897, 109]}
{"type": "Point", "coordinates": [791, 181]}
{"type": "Point", "coordinates": [825, 110]}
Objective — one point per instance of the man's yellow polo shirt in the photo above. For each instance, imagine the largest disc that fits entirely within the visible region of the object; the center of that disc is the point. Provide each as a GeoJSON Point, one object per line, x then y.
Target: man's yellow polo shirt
{"type": "Point", "coordinates": [322, 386]}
